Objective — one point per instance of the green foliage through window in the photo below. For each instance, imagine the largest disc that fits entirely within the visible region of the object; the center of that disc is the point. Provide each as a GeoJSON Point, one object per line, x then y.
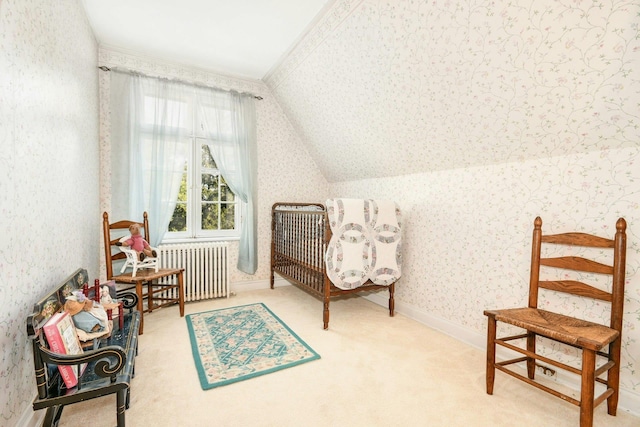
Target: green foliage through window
{"type": "Point", "coordinates": [217, 201]}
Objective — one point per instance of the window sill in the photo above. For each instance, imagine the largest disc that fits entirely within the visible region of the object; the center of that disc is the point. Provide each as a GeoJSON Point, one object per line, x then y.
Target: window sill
{"type": "Point", "coordinates": [199, 240]}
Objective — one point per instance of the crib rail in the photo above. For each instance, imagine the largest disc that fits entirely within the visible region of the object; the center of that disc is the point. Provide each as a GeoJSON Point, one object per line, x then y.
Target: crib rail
{"type": "Point", "coordinates": [300, 233]}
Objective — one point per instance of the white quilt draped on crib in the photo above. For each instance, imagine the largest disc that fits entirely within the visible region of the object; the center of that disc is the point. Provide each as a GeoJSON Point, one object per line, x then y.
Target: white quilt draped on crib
{"type": "Point", "coordinates": [366, 242]}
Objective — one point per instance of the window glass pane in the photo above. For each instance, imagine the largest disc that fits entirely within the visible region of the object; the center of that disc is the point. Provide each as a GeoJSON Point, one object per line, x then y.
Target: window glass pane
{"type": "Point", "coordinates": [210, 213]}
{"type": "Point", "coordinates": [227, 216]}
{"type": "Point", "coordinates": [174, 113]}
{"type": "Point", "coordinates": [226, 195]}
{"type": "Point", "coordinates": [207, 158]}
{"type": "Point", "coordinates": [150, 110]}
{"type": "Point", "coordinates": [182, 194]}
{"type": "Point", "coordinates": [224, 124]}
{"type": "Point", "coordinates": [209, 187]}
{"type": "Point", "coordinates": [211, 121]}
{"type": "Point", "coordinates": [217, 117]}
{"type": "Point", "coordinates": [213, 212]}
{"type": "Point", "coordinates": [179, 218]}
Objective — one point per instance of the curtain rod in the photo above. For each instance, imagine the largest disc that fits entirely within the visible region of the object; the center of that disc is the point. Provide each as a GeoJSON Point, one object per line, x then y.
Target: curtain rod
{"type": "Point", "coordinates": [105, 68]}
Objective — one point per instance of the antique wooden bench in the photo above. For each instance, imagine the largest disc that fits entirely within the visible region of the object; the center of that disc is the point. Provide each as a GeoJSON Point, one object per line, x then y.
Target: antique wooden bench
{"type": "Point", "coordinates": [110, 360]}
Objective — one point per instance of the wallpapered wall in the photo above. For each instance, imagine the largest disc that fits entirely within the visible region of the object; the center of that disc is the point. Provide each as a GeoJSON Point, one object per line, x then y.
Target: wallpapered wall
{"type": "Point", "coordinates": [48, 172]}
{"type": "Point", "coordinates": [286, 172]}
{"type": "Point", "coordinates": [468, 232]}
{"type": "Point", "coordinates": [488, 114]}
{"type": "Point", "coordinates": [390, 87]}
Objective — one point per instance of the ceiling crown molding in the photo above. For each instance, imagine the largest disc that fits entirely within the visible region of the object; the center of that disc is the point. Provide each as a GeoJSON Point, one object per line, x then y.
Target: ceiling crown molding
{"type": "Point", "coordinates": [319, 31]}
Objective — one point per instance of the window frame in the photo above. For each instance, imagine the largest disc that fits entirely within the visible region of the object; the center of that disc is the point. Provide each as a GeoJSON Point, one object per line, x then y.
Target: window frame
{"type": "Point", "coordinates": [194, 171]}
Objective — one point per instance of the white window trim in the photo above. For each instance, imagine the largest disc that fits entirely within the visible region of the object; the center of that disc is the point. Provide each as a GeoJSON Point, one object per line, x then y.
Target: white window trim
{"type": "Point", "coordinates": [194, 191]}
{"type": "Point", "coordinates": [194, 232]}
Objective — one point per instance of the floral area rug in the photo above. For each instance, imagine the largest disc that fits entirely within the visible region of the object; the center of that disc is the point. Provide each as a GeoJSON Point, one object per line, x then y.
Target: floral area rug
{"type": "Point", "coordinates": [238, 343]}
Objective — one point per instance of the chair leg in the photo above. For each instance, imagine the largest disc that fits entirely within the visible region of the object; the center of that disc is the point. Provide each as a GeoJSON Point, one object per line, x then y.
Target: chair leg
{"type": "Point", "coordinates": [491, 353]}
{"type": "Point", "coordinates": [52, 416]}
{"type": "Point", "coordinates": [127, 400]}
{"type": "Point", "coordinates": [587, 388]}
{"type": "Point", "coordinates": [150, 296]}
{"type": "Point", "coordinates": [325, 313]}
{"type": "Point", "coordinates": [613, 377]}
{"type": "Point", "coordinates": [140, 307]}
{"type": "Point", "coordinates": [531, 362]}
{"type": "Point", "coordinates": [120, 405]}
{"type": "Point", "coordinates": [392, 301]}
{"type": "Point", "coordinates": [181, 293]}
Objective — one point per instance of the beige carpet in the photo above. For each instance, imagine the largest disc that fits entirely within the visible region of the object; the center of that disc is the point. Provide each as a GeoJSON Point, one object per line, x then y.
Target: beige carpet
{"type": "Point", "coordinates": [374, 371]}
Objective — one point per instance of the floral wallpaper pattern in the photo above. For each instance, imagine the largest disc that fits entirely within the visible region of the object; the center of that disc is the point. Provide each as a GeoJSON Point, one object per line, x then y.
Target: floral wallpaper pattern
{"type": "Point", "coordinates": [48, 172]}
{"type": "Point", "coordinates": [475, 117]}
{"type": "Point", "coordinates": [467, 235]}
{"type": "Point", "coordinates": [286, 172]}
{"type": "Point", "coordinates": [441, 84]}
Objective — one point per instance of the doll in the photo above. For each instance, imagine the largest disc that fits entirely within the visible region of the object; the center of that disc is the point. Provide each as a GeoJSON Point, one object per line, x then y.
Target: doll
{"type": "Point", "coordinates": [138, 244]}
{"type": "Point", "coordinates": [105, 296]}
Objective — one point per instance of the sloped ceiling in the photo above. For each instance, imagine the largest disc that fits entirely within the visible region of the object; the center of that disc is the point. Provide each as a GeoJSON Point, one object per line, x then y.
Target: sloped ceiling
{"type": "Point", "coordinates": [391, 87]}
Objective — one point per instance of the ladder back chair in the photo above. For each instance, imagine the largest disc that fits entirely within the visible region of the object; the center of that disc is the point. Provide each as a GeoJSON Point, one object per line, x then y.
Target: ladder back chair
{"type": "Point", "coordinates": [600, 344]}
{"type": "Point", "coordinates": [151, 285]}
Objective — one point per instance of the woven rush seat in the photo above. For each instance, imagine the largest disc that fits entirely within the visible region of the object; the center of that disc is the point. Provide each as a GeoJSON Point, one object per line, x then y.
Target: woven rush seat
{"type": "Point", "coordinates": [563, 328]}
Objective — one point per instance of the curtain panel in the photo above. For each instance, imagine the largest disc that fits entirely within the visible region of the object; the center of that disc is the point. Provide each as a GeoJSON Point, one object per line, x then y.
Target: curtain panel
{"type": "Point", "coordinates": [150, 132]}
{"type": "Point", "coordinates": [231, 125]}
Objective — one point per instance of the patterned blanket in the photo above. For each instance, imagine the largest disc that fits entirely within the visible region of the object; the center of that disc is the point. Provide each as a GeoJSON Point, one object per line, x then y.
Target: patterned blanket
{"type": "Point", "coordinates": [366, 242]}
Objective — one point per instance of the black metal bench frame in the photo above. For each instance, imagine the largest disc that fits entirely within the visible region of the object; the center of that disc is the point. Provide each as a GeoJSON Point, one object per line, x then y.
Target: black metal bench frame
{"type": "Point", "coordinates": [110, 365]}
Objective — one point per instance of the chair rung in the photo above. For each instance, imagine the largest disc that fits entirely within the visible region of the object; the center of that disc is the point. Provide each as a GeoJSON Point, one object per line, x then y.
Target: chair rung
{"type": "Point", "coordinates": [599, 353]}
{"type": "Point", "coordinates": [604, 368]}
{"type": "Point", "coordinates": [514, 337]}
{"type": "Point", "coordinates": [157, 306]}
{"type": "Point", "coordinates": [608, 392]}
{"type": "Point", "coordinates": [512, 361]}
{"type": "Point", "coordinates": [538, 385]}
{"type": "Point", "coordinates": [165, 289]}
{"type": "Point", "coordinates": [539, 357]}
{"type": "Point", "coordinates": [164, 299]}
{"type": "Point", "coordinates": [597, 401]}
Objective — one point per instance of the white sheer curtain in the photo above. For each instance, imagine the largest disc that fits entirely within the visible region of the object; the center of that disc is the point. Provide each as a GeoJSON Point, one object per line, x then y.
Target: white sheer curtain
{"type": "Point", "coordinates": [150, 126]}
{"type": "Point", "coordinates": [229, 120]}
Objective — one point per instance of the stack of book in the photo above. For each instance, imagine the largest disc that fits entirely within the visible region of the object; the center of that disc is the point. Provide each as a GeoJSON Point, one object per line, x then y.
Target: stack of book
{"type": "Point", "coordinates": [62, 337]}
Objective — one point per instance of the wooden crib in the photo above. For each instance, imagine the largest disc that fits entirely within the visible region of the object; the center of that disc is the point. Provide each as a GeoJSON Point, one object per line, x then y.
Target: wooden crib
{"type": "Point", "coordinates": [300, 234]}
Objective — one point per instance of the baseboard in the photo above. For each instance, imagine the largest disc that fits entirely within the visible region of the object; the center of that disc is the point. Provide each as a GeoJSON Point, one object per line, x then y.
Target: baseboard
{"type": "Point", "coordinates": [629, 400]}
{"type": "Point", "coordinates": [31, 418]}
{"type": "Point", "coordinates": [252, 285]}
{"type": "Point", "coordinates": [447, 327]}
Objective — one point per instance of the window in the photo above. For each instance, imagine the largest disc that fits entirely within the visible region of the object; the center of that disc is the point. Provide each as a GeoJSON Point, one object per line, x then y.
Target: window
{"type": "Point", "coordinates": [206, 206]}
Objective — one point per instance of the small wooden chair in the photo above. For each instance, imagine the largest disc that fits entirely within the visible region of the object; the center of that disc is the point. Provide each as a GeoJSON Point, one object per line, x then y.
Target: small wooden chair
{"type": "Point", "coordinates": [157, 294]}
{"type": "Point", "coordinates": [133, 261]}
{"type": "Point", "coordinates": [600, 344]}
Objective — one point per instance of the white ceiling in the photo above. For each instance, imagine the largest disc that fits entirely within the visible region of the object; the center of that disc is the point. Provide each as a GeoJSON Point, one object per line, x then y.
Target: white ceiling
{"type": "Point", "coordinates": [238, 37]}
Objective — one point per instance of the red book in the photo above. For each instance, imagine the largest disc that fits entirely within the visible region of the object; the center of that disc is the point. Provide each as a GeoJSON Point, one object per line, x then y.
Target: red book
{"type": "Point", "coordinates": [63, 339]}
